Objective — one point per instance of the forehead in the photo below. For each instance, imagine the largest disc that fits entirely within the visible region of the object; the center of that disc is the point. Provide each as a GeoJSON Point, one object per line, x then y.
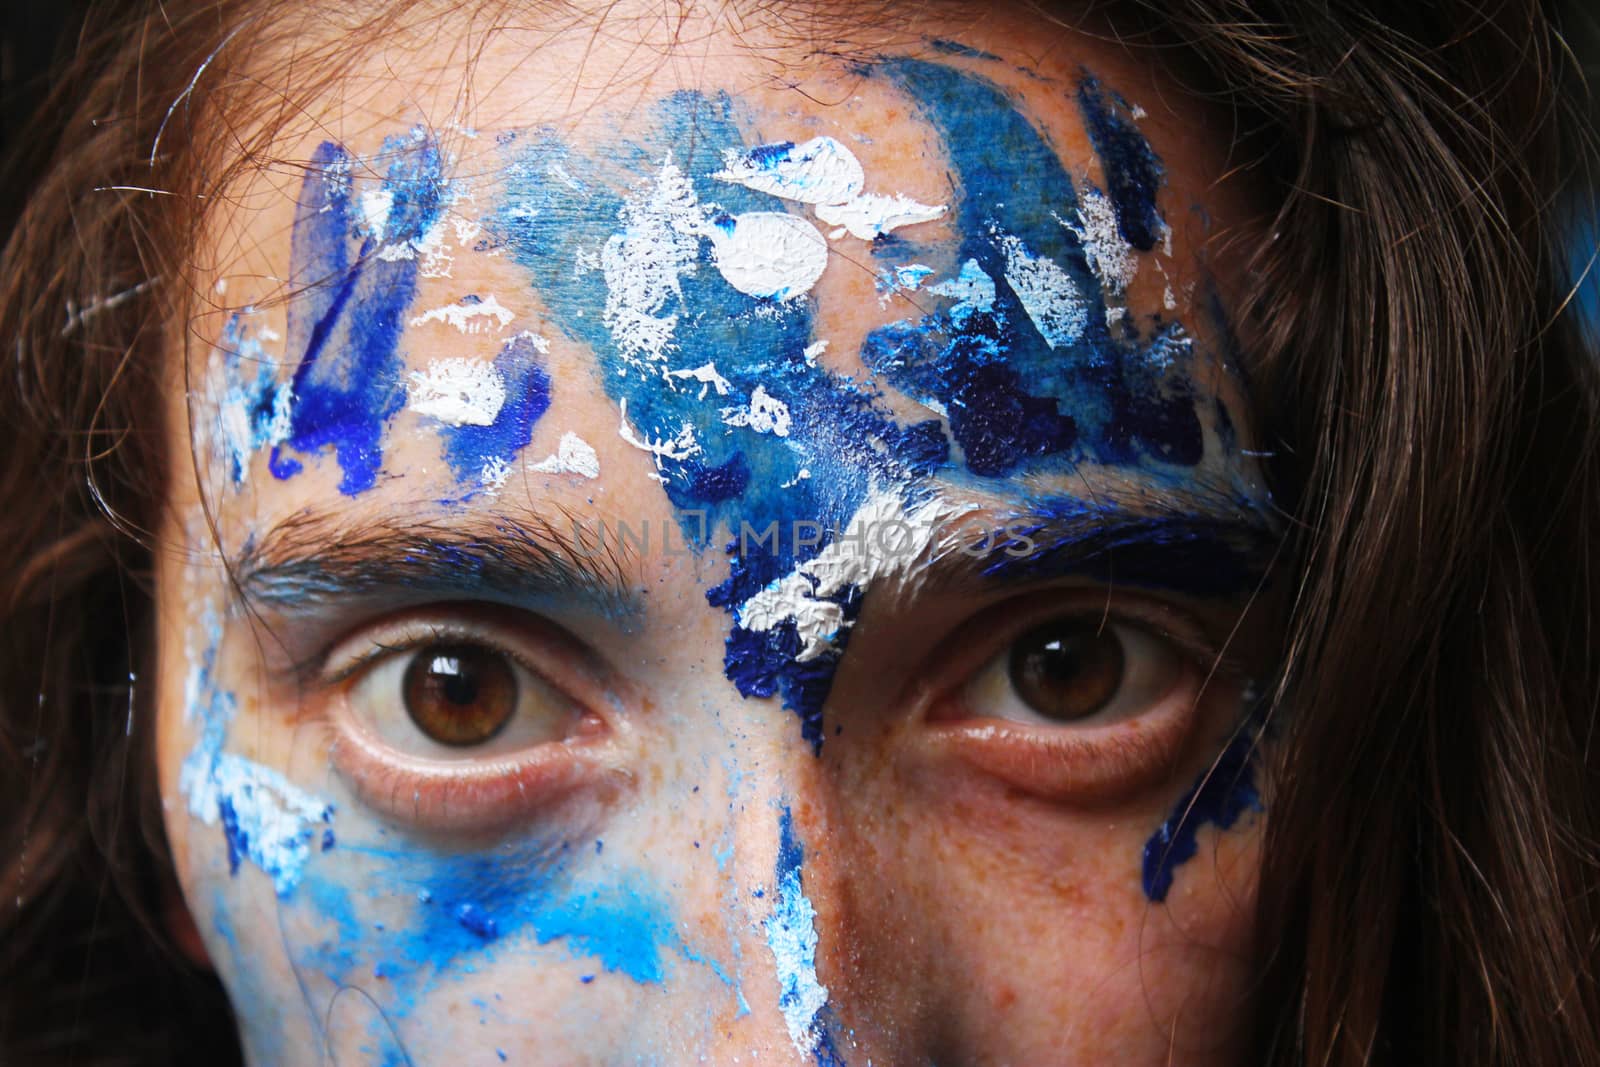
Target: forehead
{"type": "Point", "coordinates": [576, 272]}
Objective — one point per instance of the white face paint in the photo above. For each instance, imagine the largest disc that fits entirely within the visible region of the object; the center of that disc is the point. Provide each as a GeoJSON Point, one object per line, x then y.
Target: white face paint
{"type": "Point", "coordinates": [458, 392]}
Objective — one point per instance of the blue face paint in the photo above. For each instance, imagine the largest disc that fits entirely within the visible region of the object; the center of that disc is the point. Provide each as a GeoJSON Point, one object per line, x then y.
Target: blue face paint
{"type": "Point", "coordinates": [1224, 792]}
{"type": "Point", "coordinates": [475, 452]}
{"type": "Point", "coordinates": [792, 937]}
{"type": "Point", "coordinates": [1133, 173]}
{"type": "Point", "coordinates": [650, 201]}
{"type": "Point", "coordinates": [464, 910]}
{"type": "Point", "coordinates": [253, 406]}
{"type": "Point", "coordinates": [1023, 359]}
{"type": "Point", "coordinates": [347, 319]}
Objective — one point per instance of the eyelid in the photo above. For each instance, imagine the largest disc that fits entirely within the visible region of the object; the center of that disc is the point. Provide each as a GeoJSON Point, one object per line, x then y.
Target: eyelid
{"type": "Point", "coordinates": [480, 794]}
{"type": "Point", "coordinates": [1084, 763]}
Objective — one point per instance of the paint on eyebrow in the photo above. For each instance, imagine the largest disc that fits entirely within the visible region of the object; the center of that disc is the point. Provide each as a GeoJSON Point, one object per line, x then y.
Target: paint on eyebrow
{"type": "Point", "coordinates": [347, 317]}
{"type": "Point", "coordinates": [612, 238]}
{"type": "Point", "coordinates": [1035, 371]}
{"type": "Point", "coordinates": [1203, 554]}
{"type": "Point", "coordinates": [1133, 173]}
{"type": "Point", "coordinates": [1223, 794]}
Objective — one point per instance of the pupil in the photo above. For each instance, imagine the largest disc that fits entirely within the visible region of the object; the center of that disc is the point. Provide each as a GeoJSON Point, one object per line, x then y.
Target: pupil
{"type": "Point", "coordinates": [460, 694]}
{"type": "Point", "coordinates": [455, 682]}
{"type": "Point", "coordinates": [1067, 670]}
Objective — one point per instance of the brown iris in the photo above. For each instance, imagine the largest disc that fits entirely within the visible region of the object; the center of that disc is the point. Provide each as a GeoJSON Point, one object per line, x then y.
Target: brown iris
{"type": "Point", "coordinates": [460, 694]}
{"type": "Point", "coordinates": [1067, 669]}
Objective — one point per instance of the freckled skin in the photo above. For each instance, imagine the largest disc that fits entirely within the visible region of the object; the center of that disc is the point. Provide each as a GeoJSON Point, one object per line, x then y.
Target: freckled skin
{"type": "Point", "coordinates": [621, 915]}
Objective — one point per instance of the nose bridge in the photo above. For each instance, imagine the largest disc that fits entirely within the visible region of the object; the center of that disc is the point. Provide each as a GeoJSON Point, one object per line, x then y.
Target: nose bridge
{"type": "Point", "coordinates": [768, 881]}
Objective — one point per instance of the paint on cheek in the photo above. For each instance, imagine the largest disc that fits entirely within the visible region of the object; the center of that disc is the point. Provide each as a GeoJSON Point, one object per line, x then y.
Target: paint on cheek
{"type": "Point", "coordinates": [348, 316]}
{"type": "Point", "coordinates": [1224, 793]}
{"type": "Point", "coordinates": [792, 938]}
{"type": "Point", "coordinates": [265, 818]}
{"type": "Point", "coordinates": [470, 908]}
{"type": "Point", "coordinates": [719, 386]}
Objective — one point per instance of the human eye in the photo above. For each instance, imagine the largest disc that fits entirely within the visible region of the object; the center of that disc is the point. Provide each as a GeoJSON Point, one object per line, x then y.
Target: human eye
{"type": "Point", "coordinates": [456, 717]}
{"type": "Point", "coordinates": [1076, 695]}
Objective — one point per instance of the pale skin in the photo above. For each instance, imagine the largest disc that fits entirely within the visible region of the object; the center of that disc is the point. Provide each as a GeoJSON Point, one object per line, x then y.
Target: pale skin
{"type": "Point", "coordinates": [974, 873]}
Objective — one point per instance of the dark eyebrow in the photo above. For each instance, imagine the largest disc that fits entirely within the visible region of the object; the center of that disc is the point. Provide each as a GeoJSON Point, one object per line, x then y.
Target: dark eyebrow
{"type": "Point", "coordinates": [1197, 542]}
{"type": "Point", "coordinates": [311, 560]}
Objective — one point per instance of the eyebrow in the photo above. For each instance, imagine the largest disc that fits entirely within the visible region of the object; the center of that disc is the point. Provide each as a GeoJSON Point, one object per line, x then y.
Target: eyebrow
{"type": "Point", "coordinates": [1200, 542]}
{"type": "Point", "coordinates": [311, 561]}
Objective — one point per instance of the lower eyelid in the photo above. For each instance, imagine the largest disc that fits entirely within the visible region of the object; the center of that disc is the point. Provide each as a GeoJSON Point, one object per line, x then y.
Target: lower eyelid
{"type": "Point", "coordinates": [478, 794]}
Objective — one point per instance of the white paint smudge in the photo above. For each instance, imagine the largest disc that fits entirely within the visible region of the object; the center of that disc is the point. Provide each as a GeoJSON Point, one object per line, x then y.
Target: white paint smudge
{"type": "Point", "coordinates": [643, 265]}
{"type": "Point", "coordinates": [818, 171]}
{"type": "Point", "coordinates": [266, 818]}
{"type": "Point", "coordinates": [769, 254]}
{"type": "Point", "coordinates": [825, 174]}
{"type": "Point", "coordinates": [470, 314]}
{"type": "Point", "coordinates": [458, 392]}
{"type": "Point", "coordinates": [813, 350]}
{"type": "Point", "coordinates": [792, 938]}
{"type": "Point", "coordinates": [708, 377]}
{"type": "Point", "coordinates": [764, 414]}
{"type": "Point", "coordinates": [871, 215]}
{"type": "Point", "coordinates": [376, 204]}
{"type": "Point", "coordinates": [680, 447]}
{"type": "Point", "coordinates": [1113, 260]}
{"type": "Point", "coordinates": [883, 538]}
{"type": "Point", "coordinates": [573, 455]}
{"type": "Point", "coordinates": [972, 290]}
{"type": "Point", "coordinates": [1051, 299]}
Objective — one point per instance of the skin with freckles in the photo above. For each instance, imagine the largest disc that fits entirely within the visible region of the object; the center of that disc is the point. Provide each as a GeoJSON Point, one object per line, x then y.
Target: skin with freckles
{"type": "Point", "coordinates": [685, 566]}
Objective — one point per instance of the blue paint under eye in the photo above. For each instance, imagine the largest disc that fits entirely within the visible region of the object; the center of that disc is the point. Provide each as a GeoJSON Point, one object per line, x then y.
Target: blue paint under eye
{"type": "Point", "coordinates": [1224, 793]}
{"type": "Point", "coordinates": [473, 451]}
{"type": "Point", "coordinates": [348, 316]}
{"type": "Point", "coordinates": [472, 906]}
{"type": "Point", "coordinates": [1133, 173]}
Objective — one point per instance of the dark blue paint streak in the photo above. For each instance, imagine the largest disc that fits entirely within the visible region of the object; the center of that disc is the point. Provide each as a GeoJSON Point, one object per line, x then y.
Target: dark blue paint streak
{"type": "Point", "coordinates": [1224, 793]}
{"type": "Point", "coordinates": [1133, 173]}
{"type": "Point", "coordinates": [791, 861]}
{"type": "Point", "coordinates": [1013, 399]}
{"type": "Point", "coordinates": [238, 841]}
{"type": "Point", "coordinates": [1199, 555]}
{"type": "Point", "coordinates": [348, 317]}
{"type": "Point", "coordinates": [468, 449]}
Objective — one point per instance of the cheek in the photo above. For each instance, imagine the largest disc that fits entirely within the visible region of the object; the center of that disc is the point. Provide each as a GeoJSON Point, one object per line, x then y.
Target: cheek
{"type": "Point", "coordinates": [1027, 926]}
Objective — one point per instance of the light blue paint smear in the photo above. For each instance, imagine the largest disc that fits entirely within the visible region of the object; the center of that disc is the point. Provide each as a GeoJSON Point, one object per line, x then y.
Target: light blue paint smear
{"type": "Point", "coordinates": [265, 817]}
{"type": "Point", "coordinates": [792, 937]}
{"type": "Point", "coordinates": [252, 405]}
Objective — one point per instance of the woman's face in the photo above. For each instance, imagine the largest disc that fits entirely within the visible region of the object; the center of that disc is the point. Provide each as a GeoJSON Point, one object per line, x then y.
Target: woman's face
{"type": "Point", "coordinates": [704, 553]}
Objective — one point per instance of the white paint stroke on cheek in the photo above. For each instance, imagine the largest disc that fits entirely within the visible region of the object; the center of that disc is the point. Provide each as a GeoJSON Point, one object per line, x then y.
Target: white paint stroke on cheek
{"type": "Point", "coordinates": [1050, 297]}
{"type": "Point", "coordinates": [764, 414]}
{"type": "Point", "coordinates": [792, 938]}
{"type": "Point", "coordinates": [265, 817]}
{"type": "Point", "coordinates": [458, 392]}
{"type": "Point", "coordinates": [769, 254]}
{"type": "Point", "coordinates": [883, 538]}
{"type": "Point", "coordinates": [470, 314]}
{"type": "Point", "coordinates": [573, 455]}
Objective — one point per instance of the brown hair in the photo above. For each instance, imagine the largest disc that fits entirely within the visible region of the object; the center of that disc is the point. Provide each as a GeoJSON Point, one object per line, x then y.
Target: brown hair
{"type": "Point", "coordinates": [1433, 846]}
